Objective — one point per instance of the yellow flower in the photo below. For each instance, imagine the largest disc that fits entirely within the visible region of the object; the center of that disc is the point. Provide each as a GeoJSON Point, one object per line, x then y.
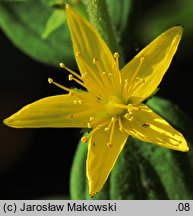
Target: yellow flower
{"type": "Point", "coordinates": [111, 104]}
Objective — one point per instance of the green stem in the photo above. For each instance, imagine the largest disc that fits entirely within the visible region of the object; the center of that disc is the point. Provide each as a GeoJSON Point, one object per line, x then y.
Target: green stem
{"type": "Point", "coordinates": [100, 19]}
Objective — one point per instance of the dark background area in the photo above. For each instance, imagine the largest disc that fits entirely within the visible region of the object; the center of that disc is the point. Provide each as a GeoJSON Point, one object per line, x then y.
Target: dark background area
{"type": "Point", "coordinates": [35, 163]}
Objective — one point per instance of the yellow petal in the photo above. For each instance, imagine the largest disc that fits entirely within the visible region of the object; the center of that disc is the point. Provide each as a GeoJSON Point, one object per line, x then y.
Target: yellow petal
{"type": "Point", "coordinates": [55, 111]}
{"type": "Point", "coordinates": [101, 158]}
{"type": "Point", "coordinates": [89, 46]}
{"type": "Point", "coordinates": [150, 127]}
{"type": "Point", "coordinates": [155, 60]}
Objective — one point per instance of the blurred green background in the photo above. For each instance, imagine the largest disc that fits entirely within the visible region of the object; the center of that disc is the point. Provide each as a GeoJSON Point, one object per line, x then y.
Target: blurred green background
{"type": "Point", "coordinates": [35, 163]}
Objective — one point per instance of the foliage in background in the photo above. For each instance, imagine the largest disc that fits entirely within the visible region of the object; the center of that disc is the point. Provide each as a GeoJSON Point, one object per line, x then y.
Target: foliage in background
{"type": "Point", "coordinates": [40, 30]}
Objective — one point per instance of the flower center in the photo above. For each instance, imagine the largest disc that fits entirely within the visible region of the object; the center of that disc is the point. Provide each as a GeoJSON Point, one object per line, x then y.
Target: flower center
{"type": "Point", "coordinates": [111, 107]}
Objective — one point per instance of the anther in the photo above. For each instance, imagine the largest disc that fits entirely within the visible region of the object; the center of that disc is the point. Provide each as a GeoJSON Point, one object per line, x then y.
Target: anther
{"type": "Point", "coordinates": [113, 119]}
{"type": "Point", "coordinates": [116, 55]}
{"type": "Point", "coordinates": [70, 77]}
{"type": "Point", "coordinates": [129, 116]}
{"type": "Point", "coordinates": [99, 126]}
{"type": "Point", "coordinates": [142, 59]}
{"type": "Point", "coordinates": [91, 118]}
{"type": "Point", "coordinates": [126, 81]}
{"type": "Point", "coordinates": [84, 75]}
{"type": "Point", "coordinates": [77, 54]}
{"type": "Point", "coordinates": [62, 65]}
{"type": "Point", "coordinates": [106, 129]}
{"type": "Point", "coordinates": [109, 145]}
{"type": "Point", "coordinates": [141, 80]}
{"type": "Point", "coordinates": [84, 139]}
{"type": "Point", "coordinates": [50, 80]}
{"type": "Point", "coordinates": [94, 61]}
{"type": "Point", "coordinates": [77, 101]}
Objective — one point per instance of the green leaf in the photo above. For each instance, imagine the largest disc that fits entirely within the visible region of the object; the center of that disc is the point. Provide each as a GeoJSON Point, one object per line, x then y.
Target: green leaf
{"type": "Point", "coordinates": [24, 23]}
{"type": "Point", "coordinates": [54, 22]}
{"type": "Point", "coordinates": [119, 13]}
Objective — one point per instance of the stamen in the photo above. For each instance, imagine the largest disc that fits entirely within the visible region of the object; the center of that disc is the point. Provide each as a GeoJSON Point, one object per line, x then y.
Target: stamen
{"type": "Point", "coordinates": [129, 116]}
{"type": "Point", "coordinates": [91, 80]}
{"type": "Point", "coordinates": [130, 84]}
{"type": "Point", "coordinates": [113, 121]}
{"type": "Point", "coordinates": [51, 81]}
{"type": "Point", "coordinates": [109, 125]}
{"type": "Point", "coordinates": [140, 80]}
{"type": "Point", "coordinates": [70, 77]}
{"type": "Point", "coordinates": [116, 55]}
{"type": "Point", "coordinates": [128, 107]}
{"type": "Point", "coordinates": [121, 128]}
{"type": "Point", "coordinates": [62, 65]}
{"type": "Point", "coordinates": [103, 79]}
{"type": "Point", "coordinates": [99, 126]}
